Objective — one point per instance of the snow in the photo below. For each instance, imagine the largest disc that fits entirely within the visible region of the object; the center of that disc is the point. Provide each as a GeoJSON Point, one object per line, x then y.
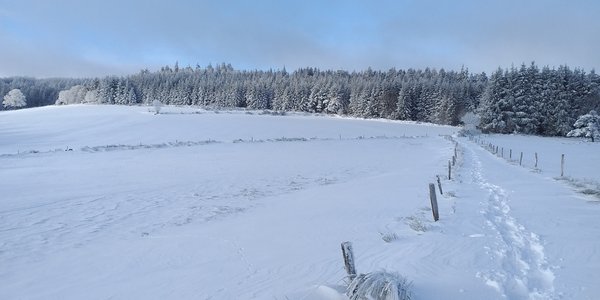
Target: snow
{"type": "Point", "coordinates": [581, 156]}
{"type": "Point", "coordinates": [194, 204]}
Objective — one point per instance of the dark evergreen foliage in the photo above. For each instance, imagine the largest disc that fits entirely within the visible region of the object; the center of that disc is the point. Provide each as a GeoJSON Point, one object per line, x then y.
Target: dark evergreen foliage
{"type": "Point", "coordinates": [530, 101]}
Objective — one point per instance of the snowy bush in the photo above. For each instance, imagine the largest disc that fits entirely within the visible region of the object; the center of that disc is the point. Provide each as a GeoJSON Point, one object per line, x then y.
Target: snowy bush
{"type": "Point", "coordinates": [157, 105]}
{"type": "Point", "coordinates": [91, 97]}
{"type": "Point", "coordinates": [416, 224]}
{"type": "Point", "coordinates": [471, 122]}
{"type": "Point", "coordinates": [14, 99]}
{"type": "Point", "coordinates": [389, 237]}
{"type": "Point", "coordinates": [587, 126]}
{"type": "Point", "coordinates": [75, 94]}
{"type": "Point", "coordinates": [379, 285]}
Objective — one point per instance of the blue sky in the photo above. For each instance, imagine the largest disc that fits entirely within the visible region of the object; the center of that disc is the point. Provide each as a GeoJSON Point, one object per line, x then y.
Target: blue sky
{"type": "Point", "coordinates": [77, 38]}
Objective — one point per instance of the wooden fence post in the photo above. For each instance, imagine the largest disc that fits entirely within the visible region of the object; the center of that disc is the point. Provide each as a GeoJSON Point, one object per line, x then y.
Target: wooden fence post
{"type": "Point", "coordinates": [510, 154]}
{"type": "Point", "coordinates": [521, 159]}
{"type": "Point", "coordinates": [536, 160]}
{"type": "Point", "coordinates": [349, 260]}
{"type": "Point", "coordinates": [434, 205]}
{"type": "Point", "coordinates": [449, 171]}
{"type": "Point", "coordinates": [440, 184]}
{"type": "Point", "coordinates": [562, 165]}
{"type": "Point", "coordinates": [502, 152]}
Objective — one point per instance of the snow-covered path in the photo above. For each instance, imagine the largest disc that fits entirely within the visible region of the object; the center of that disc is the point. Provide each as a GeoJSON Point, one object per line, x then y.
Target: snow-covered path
{"type": "Point", "coordinates": [524, 217]}
{"type": "Point", "coordinates": [521, 270]}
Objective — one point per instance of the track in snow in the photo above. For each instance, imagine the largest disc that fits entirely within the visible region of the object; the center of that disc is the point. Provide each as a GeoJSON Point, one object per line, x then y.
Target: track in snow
{"type": "Point", "coordinates": [523, 271]}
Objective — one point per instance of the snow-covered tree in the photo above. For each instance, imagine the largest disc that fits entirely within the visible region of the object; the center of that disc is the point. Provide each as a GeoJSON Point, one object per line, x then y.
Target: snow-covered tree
{"type": "Point", "coordinates": [157, 105]}
{"type": "Point", "coordinates": [14, 99]}
{"type": "Point", "coordinates": [75, 94]}
{"type": "Point", "coordinates": [587, 126]}
{"type": "Point", "coordinates": [470, 122]}
{"type": "Point", "coordinates": [91, 97]}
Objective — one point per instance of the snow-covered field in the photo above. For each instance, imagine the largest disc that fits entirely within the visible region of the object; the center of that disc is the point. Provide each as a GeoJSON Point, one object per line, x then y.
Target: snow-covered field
{"type": "Point", "coordinates": [195, 204]}
{"type": "Point", "coordinates": [582, 157]}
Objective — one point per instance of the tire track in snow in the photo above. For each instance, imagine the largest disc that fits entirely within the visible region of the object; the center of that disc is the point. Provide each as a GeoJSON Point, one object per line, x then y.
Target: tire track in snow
{"type": "Point", "coordinates": [524, 272]}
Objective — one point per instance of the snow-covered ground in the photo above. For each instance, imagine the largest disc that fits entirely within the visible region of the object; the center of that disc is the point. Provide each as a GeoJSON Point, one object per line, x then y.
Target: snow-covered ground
{"type": "Point", "coordinates": [195, 204]}
{"type": "Point", "coordinates": [582, 157]}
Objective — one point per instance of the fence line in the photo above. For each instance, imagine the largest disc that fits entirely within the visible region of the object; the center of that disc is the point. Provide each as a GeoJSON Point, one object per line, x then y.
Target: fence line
{"type": "Point", "coordinates": [495, 149]}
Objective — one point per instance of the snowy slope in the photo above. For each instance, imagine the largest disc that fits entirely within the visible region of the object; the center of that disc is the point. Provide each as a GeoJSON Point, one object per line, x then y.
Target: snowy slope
{"type": "Point", "coordinates": [75, 126]}
{"type": "Point", "coordinates": [162, 214]}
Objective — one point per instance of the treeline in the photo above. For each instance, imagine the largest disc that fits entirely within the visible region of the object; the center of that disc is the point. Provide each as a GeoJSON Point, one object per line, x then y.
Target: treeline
{"type": "Point", "coordinates": [420, 95]}
{"type": "Point", "coordinates": [525, 100]}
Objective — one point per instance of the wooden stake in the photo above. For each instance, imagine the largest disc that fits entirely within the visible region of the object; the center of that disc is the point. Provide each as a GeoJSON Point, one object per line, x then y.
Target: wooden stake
{"type": "Point", "coordinates": [510, 154]}
{"type": "Point", "coordinates": [434, 205]}
{"type": "Point", "coordinates": [453, 160]}
{"type": "Point", "coordinates": [562, 165]}
{"type": "Point", "coordinates": [449, 171]}
{"type": "Point", "coordinates": [536, 160]}
{"type": "Point", "coordinates": [502, 152]}
{"type": "Point", "coordinates": [521, 159]}
{"type": "Point", "coordinates": [440, 185]}
{"type": "Point", "coordinates": [348, 259]}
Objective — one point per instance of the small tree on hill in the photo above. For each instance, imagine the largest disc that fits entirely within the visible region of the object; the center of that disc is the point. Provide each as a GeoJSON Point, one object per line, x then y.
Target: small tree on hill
{"type": "Point", "coordinates": [470, 123]}
{"type": "Point", "coordinates": [587, 125]}
{"type": "Point", "coordinates": [75, 94]}
{"type": "Point", "coordinates": [157, 105]}
{"type": "Point", "coordinates": [14, 99]}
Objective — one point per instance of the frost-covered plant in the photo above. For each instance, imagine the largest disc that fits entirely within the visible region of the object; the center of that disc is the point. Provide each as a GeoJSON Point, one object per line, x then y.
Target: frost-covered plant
{"type": "Point", "coordinates": [416, 224]}
{"type": "Point", "coordinates": [75, 94]}
{"type": "Point", "coordinates": [471, 121]}
{"type": "Point", "coordinates": [379, 285]}
{"type": "Point", "coordinates": [14, 99]}
{"type": "Point", "coordinates": [389, 237]}
{"type": "Point", "coordinates": [587, 125]}
{"type": "Point", "coordinates": [157, 105]}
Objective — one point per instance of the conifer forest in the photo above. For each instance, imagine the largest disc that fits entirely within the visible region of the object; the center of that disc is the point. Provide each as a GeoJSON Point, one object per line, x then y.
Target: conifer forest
{"type": "Point", "coordinates": [524, 99]}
